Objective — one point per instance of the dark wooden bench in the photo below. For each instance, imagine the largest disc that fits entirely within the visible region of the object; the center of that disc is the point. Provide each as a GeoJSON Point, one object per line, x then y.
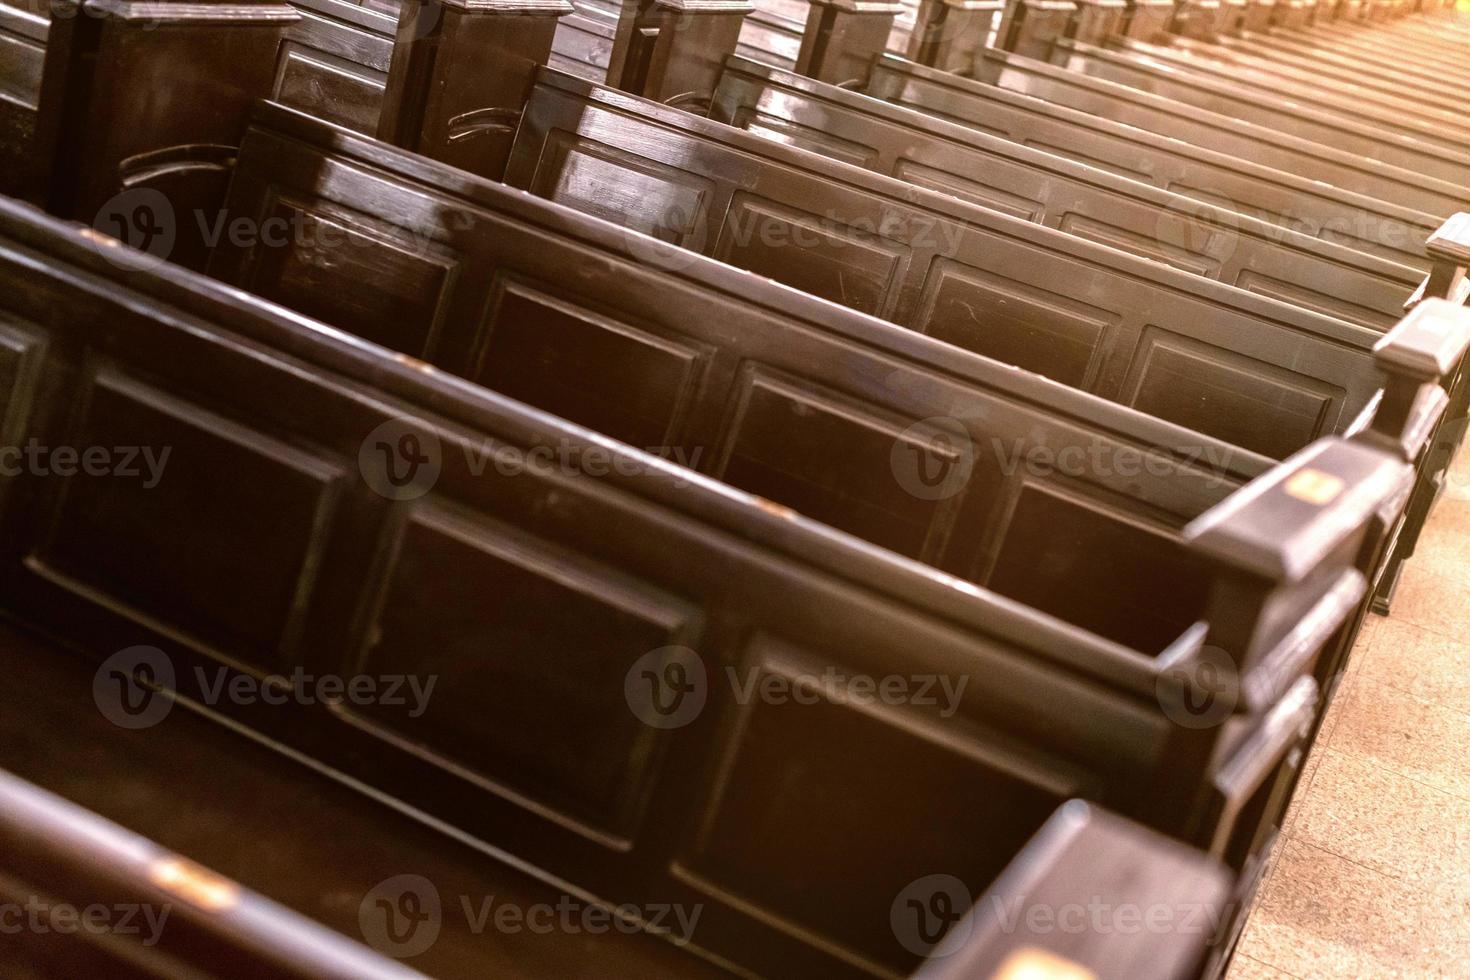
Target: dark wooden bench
{"type": "Point", "coordinates": [532, 747]}
{"type": "Point", "coordinates": [1157, 339]}
{"type": "Point", "coordinates": [337, 179]}
{"type": "Point", "coordinates": [1196, 236]}
{"type": "Point", "coordinates": [1429, 143]}
{"type": "Point", "coordinates": [152, 910]}
{"type": "Point", "coordinates": [334, 62]}
{"type": "Point", "coordinates": [216, 795]}
{"type": "Point", "coordinates": [22, 56]}
{"type": "Point", "coordinates": [1436, 191]}
{"type": "Point", "coordinates": [1283, 198]}
{"type": "Point", "coordinates": [509, 318]}
{"type": "Point", "coordinates": [1082, 200]}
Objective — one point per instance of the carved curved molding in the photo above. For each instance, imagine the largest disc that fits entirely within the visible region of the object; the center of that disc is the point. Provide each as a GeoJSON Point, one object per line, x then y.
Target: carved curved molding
{"type": "Point", "coordinates": [173, 161]}
{"type": "Point", "coordinates": [482, 122]}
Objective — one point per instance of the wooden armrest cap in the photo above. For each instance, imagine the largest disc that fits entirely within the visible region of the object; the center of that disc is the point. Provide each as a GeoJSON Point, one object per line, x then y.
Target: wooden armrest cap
{"type": "Point", "coordinates": [1088, 865]}
{"type": "Point", "coordinates": [1452, 239]}
{"type": "Point", "coordinates": [1428, 343]}
{"type": "Point", "coordinates": [1284, 523]}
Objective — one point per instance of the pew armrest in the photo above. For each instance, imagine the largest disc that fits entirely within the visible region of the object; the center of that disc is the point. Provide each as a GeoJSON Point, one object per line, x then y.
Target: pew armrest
{"type": "Point", "coordinates": [1420, 358]}
{"type": "Point", "coordinates": [1285, 524]}
{"type": "Point", "coordinates": [1089, 865]}
{"type": "Point", "coordinates": [1449, 255]}
{"type": "Point", "coordinates": [1286, 552]}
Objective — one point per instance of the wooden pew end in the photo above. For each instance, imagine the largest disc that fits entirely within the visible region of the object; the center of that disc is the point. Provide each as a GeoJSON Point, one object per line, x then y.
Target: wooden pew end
{"type": "Point", "coordinates": [843, 38]}
{"type": "Point", "coordinates": [1056, 911]}
{"type": "Point", "coordinates": [948, 34]}
{"type": "Point", "coordinates": [1286, 548]}
{"type": "Point", "coordinates": [673, 51]}
{"type": "Point", "coordinates": [1449, 251]}
{"type": "Point", "coordinates": [442, 101]}
{"type": "Point", "coordinates": [1420, 358]}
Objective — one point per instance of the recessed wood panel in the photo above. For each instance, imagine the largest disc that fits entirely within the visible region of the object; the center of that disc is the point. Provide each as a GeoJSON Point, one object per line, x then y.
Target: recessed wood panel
{"type": "Point", "coordinates": [337, 270]}
{"type": "Point", "coordinates": [1014, 322]}
{"type": "Point", "coordinates": [861, 826]}
{"type": "Point", "coordinates": [791, 133]}
{"type": "Point", "coordinates": [1148, 246]}
{"type": "Point", "coordinates": [1072, 553]}
{"type": "Point", "coordinates": [329, 87]}
{"type": "Point", "coordinates": [222, 541]}
{"type": "Point", "coordinates": [808, 252]}
{"type": "Point", "coordinates": [531, 645]}
{"type": "Point", "coordinates": [583, 365]}
{"type": "Point", "coordinates": [970, 188]}
{"type": "Point", "coordinates": [629, 190]}
{"type": "Point", "coordinates": [1228, 395]}
{"type": "Point", "coordinates": [1299, 294]}
{"type": "Point", "coordinates": [835, 461]}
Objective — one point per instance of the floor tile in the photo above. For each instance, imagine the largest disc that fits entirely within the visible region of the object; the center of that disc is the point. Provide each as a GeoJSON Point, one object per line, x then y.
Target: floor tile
{"type": "Point", "coordinates": [1386, 822]}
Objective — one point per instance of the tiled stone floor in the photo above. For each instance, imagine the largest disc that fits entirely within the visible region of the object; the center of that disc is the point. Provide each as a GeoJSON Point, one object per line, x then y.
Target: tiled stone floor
{"type": "Point", "coordinates": [1372, 878]}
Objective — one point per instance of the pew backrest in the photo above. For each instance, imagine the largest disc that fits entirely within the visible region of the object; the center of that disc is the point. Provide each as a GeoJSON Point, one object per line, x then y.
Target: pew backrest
{"type": "Point", "coordinates": [1281, 196]}
{"type": "Point", "coordinates": [22, 57]}
{"type": "Point", "coordinates": [334, 62]}
{"type": "Point", "coordinates": [1245, 368]}
{"type": "Point", "coordinates": [1200, 237]}
{"type": "Point", "coordinates": [1414, 188]}
{"type": "Point", "coordinates": [817, 407]}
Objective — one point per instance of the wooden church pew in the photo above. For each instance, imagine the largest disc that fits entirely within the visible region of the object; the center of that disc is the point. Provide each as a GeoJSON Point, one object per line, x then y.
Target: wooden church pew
{"type": "Point", "coordinates": [339, 180]}
{"type": "Point", "coordinates": [630, 562]}
{"type": "Point", "coordinates": [334, 62]}
{"type": "Point", "coordinates": [1383, 226]}
{"type": "Point", "coordinates": [860, 370]}
{"type": "Point", "coordinates": [1428, 143]}
{"type": "Point", "coordinates": [1211, 241]}
{"type": "Point", "coordinates": [1417, 187]}
{"type": "Point", "coordinates": [952, 270]}
{"type": "Point", "coordinates": [186, 777]}
{"type": "Point", "coordinates": [109, 901]}
{"type": "Point", "coordinates": [215, 794]}
{"type": "Point", "coordinates": [887, 138]}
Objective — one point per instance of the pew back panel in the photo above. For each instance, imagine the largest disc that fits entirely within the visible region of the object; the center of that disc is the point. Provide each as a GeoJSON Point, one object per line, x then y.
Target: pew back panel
{"type": "Point", "coordinates": [22, 56]}
{"type": "Point", "coordinates": [1420, 188]}
{"type": "Point", "coordinates": [1126, 214]}
{"type": "Point", "coordinates": [334, 62]}
{"type": "Point", "coordinates": [819, 408]}
{"type": "Point", "coordinates": [1166, 342]}
{"type": "Point", "coordinates": [1283, 196]}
